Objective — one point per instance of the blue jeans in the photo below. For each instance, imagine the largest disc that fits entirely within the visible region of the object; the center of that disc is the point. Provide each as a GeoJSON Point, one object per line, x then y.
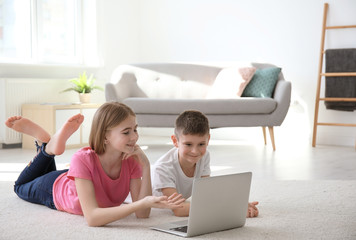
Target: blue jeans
{"type": "Point", "coordinates": [35, 183]}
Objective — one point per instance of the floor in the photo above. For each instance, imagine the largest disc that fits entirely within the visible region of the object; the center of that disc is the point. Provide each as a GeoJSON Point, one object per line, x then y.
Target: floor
{"type": "Point", "coordinates": [288, 162]}
{"type": "Point", "coordinates": [236, 150]}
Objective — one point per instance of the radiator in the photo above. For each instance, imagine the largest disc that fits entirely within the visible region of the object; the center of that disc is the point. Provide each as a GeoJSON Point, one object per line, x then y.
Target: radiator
{"type": "Point", "coordinates": [18, 91]}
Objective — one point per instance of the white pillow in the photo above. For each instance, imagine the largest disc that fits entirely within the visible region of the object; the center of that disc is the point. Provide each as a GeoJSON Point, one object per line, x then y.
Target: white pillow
{"type": "Point", "coordinates": [158, 85]}
{"type": "Point", "coordinates": [231, 82]}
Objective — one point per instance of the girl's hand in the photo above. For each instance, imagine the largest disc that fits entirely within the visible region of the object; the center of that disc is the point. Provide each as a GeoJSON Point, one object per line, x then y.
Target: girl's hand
{"type": "Point", "coordinates": [172, 202]}
{"type": "Point", "coordinates": [252, 210]}
{"type": "Point", "coordinates": [139, 155]}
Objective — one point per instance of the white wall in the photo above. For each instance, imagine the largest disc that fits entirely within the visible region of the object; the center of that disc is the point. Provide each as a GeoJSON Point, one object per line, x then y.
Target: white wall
{"type": "Point", "coordinates": [118, 33]}
{"type": "Point", "coordinates": [284, 32]}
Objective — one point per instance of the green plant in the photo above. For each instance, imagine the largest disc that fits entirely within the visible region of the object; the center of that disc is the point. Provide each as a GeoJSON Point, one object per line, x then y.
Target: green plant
{"type": "Point", "coordinates": [83, 84]}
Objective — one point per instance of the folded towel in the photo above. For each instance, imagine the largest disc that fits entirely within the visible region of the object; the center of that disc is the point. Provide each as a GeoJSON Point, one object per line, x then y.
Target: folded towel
{"type": "Point", "coordinates": [340, 60]}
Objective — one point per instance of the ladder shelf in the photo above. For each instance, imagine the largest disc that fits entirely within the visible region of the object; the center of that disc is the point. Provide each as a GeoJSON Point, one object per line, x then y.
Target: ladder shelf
{"type": "Point", "coordinates": [329, 74]}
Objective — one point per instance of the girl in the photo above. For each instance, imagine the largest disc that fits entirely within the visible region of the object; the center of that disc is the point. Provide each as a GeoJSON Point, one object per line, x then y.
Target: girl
{"type": "Point", "coordinates": [100, 177]}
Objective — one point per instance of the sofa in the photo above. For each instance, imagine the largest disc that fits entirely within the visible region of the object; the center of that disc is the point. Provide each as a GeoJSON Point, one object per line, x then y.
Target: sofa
{"type": "Point", "coordinates": [159, 92]}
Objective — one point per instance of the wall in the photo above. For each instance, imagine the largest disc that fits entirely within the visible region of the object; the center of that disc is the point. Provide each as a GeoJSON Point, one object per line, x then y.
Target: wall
{"type": "Point", "coordinates": [117, 28]}
{"type": "Point", "coordinates": [286, 33]}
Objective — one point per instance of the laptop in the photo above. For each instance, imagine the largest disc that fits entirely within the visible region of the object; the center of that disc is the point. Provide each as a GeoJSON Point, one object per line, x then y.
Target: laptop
{"type": "Point", "coordinates": [218, 203]}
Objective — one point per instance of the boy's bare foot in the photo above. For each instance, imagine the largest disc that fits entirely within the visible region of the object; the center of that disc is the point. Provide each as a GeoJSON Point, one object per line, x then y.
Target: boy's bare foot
{"type": "Point", "coordinates": [56, 145]}
{"type": "Point", "coordinates": [26, 126]}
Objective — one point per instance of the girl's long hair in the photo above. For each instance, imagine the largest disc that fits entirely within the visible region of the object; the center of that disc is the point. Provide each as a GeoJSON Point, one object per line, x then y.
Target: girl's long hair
{"type": "Point", "coordinates": [108, 116]}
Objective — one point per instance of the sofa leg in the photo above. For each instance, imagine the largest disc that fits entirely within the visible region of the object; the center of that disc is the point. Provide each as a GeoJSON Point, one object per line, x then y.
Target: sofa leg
{"type": "Point", "coordinates": [264, 134]}
{"type": "Point", "coordinates": [271, 133]}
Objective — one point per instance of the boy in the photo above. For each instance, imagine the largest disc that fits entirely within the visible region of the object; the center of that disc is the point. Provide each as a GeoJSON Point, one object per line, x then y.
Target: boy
{"type": "Point", "coordinates": [175, 171]}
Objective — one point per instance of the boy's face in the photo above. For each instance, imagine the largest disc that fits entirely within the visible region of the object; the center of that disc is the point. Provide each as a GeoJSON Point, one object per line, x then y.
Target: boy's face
{"type": "Point", "coordinates": [191, 148]}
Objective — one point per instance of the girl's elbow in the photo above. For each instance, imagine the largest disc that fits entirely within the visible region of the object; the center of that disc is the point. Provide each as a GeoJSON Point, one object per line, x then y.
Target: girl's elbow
{"type": "Point", "coordinates": [92, 222]}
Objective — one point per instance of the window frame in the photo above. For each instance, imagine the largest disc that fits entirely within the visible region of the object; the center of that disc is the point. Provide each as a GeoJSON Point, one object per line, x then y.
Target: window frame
{"type": "Point", "coordinates": [85, 53]}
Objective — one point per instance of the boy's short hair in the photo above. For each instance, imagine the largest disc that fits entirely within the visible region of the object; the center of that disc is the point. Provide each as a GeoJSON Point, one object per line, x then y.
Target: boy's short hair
{"type": "Point", "coordinates": [191, 122]}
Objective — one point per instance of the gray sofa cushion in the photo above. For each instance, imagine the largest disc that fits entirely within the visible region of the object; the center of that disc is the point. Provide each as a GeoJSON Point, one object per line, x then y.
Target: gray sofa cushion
{"type": "Point", "coordinates": [207, 106]}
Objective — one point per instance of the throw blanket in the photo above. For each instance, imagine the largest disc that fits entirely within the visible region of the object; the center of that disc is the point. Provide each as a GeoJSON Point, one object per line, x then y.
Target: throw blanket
{"type": "Point", "coordinates": [340, 60]}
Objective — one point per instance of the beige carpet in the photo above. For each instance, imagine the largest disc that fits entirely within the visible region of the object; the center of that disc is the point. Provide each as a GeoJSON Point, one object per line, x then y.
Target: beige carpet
{"type": "Point", "coordinates": [289, 210]}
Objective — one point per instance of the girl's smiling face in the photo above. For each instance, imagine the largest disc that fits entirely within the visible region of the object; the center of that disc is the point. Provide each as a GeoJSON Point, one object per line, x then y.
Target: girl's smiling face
{"type": "Point", "coordinates": [124, 136]}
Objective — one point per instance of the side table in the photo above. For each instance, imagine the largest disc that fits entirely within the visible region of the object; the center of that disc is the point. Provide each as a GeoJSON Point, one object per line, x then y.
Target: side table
{"type": "Point", "coordinates": [51, 117]}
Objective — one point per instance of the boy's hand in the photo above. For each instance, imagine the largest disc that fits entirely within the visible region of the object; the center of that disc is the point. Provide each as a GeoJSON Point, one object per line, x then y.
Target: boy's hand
{"type": "Point", "coordinates": [172, 202]}
{"type": "Point", "coordinates": [252, 210]}
{"type": "Point", "coordinates": [176, 198]}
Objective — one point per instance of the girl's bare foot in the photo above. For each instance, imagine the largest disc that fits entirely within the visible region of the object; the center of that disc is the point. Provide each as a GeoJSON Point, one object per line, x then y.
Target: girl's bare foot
{"type": "Point", "coordinates": [26, 126]}
{"type": "Point", "coordinates": [56, 145]}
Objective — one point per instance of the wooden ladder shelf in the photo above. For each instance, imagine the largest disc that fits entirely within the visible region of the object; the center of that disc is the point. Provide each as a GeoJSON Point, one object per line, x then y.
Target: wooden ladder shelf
{"type": "Point", "coordinates": [336, 74]}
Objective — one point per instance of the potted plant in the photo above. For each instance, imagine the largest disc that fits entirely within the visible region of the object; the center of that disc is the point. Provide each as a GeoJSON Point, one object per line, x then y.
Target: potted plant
{"type": "Point", "coordinates": [84, 86]}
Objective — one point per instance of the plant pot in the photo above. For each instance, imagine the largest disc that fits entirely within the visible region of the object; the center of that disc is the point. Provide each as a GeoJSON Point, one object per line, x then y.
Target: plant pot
{"type": "Point", "coordinates": [84, 97]}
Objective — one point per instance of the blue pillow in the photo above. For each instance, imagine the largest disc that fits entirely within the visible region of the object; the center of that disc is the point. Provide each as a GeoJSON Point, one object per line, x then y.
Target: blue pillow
{"type": "Point", "coordinates": [263, 82]}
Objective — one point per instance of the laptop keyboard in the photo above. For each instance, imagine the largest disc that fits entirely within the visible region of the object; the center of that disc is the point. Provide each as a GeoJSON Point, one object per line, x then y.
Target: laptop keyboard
{"type": "Point", "coordinates": [180, 229]}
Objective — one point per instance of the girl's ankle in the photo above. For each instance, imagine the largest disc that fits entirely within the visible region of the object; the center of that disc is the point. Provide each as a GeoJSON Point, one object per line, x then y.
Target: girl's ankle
{"type": "Point", "coordinates": [43, 149]}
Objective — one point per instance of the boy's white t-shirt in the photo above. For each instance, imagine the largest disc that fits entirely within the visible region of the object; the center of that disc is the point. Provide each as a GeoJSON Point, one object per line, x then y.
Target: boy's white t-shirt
{"type": "Point", "coordinates": [167, 173]}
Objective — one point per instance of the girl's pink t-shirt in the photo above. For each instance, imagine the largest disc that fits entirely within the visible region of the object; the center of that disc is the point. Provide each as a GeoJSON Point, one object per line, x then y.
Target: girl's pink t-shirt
{"type": "Point", "coordinates": [85, 164]}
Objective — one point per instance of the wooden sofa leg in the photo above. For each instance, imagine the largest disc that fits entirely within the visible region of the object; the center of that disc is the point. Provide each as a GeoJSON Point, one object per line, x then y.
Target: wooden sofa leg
{"type": "Point", "coordinates": [272, 137]}
{"type": "Point", "coordinates": [264, 134]}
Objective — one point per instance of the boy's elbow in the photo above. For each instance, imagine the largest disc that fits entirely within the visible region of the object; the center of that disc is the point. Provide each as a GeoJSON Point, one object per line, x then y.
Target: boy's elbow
{"type": "Point", "coordinates": [180, 213]}
{"type": "Point", "coordinates": [183, 211]}
{"type": "Point", "coordinates": [143, 214]}
{"type": "Point", "coordinates": [138, 215]}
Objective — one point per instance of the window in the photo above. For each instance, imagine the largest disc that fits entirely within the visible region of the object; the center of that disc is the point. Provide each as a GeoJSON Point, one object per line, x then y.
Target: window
{"type": "Point", "coordinates": [47, 31]}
